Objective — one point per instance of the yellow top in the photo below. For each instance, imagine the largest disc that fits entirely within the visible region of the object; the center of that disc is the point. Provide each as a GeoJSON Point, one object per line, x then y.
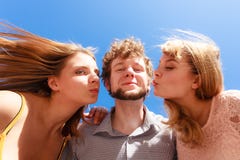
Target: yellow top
{"type": "Point", "coordinates": [10, 126]}
{"type": "Point", "coordinates": [3, 135]}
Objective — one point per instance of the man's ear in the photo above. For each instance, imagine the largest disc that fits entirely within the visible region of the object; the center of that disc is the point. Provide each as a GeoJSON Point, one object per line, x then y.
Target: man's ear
{"type": "Point", "coordinates": [197, 82]}
{"type": "Point", "coordinates": [53, 83]}
{"type": "Point", "coordinates": [107, 84]}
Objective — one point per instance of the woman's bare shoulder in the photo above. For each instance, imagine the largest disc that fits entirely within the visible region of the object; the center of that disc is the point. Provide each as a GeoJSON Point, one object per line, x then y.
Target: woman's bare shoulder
{"type": "Point", "coordinates": [10, 104]}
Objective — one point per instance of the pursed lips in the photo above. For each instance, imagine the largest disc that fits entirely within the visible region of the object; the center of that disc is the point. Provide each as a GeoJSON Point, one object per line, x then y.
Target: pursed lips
{"type": "Point", "coordinates": [154, 83]}
{"type": "Point", "coordinates": [94, 90]}
{"type": "Point", "coordinates": [129, 83]}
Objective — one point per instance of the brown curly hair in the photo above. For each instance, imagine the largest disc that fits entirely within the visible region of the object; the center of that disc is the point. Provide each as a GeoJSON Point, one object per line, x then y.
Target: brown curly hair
{"type": "Point", "coordinates": [127, 48]}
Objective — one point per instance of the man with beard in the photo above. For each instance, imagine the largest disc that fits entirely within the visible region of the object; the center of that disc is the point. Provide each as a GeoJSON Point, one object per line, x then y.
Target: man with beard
{"type": "Point", "coordinates": [130, 130]}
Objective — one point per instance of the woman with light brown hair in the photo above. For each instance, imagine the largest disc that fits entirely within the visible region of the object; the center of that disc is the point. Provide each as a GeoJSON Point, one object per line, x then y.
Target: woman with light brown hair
{"type": "Point", "coordinates": [206, 118]}
{"type": "Point", "coordinates": [44, 87]}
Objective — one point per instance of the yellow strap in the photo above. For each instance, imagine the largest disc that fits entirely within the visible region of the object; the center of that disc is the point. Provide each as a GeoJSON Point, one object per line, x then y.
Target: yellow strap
{"type": "Point", "coordinates": [2, 138]}
{"type": "Point", "coordinates": [62, 147]}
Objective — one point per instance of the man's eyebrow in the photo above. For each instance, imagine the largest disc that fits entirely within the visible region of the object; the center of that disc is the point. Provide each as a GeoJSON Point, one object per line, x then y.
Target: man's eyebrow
{"type": "Point", "coordinates": [118, 64]}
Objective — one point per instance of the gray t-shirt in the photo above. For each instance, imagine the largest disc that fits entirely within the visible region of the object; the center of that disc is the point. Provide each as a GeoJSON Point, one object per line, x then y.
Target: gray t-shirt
{"type": "Point", "coordinates": [152, 140]}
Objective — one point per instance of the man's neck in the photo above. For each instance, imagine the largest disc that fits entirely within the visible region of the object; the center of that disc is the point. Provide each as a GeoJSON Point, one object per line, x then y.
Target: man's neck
{"type": "Point", "coordinates": [128, 116]}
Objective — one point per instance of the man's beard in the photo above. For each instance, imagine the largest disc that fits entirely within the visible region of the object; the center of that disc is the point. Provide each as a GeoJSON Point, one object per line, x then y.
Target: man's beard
{"type": "Point", "coordinates": [120, 94]}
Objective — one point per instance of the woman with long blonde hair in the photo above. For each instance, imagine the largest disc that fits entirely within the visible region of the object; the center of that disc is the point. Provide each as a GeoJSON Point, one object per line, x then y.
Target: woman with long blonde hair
{"type": "Point", "coordinates": [206, 118]}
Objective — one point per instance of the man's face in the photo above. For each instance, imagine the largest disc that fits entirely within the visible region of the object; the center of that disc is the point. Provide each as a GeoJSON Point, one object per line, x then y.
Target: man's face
{"type": "Point", "coordinates": [129, 79]}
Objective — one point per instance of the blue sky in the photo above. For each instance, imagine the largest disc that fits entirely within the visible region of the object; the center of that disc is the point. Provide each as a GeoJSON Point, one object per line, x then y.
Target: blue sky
{"type": "Point", "coordinates": [97, 23]}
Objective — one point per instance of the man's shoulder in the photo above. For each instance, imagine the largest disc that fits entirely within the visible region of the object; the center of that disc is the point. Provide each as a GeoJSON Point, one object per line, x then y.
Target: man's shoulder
{"type": "Point", "coordinates": [157, 117]}
{"type": "Point", "coordinates": [158, 121]}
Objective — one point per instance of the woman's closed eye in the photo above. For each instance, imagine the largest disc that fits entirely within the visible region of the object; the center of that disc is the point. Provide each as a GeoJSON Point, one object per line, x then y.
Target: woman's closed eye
{"type": "Point", "coordinates": [168, 67]}
{"type": "Point", "coordinates": [97, 73]}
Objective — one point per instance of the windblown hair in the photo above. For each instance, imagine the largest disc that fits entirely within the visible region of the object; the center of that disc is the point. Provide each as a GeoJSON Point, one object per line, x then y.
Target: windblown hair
{"type": "Point", "coordinates": [203, 55]}
{"type": "Point", "coordinates": [127, 48]}
{"type": "Point", "coordinates": [27, 60]}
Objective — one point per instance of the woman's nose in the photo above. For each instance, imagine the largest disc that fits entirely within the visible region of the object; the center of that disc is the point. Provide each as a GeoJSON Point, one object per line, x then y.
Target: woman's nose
{"type": "Point", "coordinates": [94, 78]}
{"type": "Point", "coordinates": [157, 73]}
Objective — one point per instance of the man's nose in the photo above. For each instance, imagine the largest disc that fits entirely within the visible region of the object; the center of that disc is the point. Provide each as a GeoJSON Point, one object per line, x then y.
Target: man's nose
{"type": "Point", "coordinates": [129, 72]}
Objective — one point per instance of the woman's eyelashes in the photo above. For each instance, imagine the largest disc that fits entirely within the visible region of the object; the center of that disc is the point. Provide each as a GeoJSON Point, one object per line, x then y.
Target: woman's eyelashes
{"type": "Point", "coordinates": [166, 67]}
{"type": "Point", "coordinates": [86, 71]}
{"type": "Point", "coordinates": [169, 67]}
{"type": "Point", "coordinates": [97, 73]}
{"type": "Point", "coordinates": [81, 72]}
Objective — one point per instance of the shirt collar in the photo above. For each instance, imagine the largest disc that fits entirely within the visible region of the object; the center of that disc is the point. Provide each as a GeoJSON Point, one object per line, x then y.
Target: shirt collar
{"type": "Point", "coordinates": [105, 128]}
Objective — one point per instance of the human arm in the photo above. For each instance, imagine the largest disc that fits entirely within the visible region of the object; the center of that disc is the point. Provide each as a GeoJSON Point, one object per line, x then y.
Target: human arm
{"type": "Point", "coordinates": [10, 103]}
